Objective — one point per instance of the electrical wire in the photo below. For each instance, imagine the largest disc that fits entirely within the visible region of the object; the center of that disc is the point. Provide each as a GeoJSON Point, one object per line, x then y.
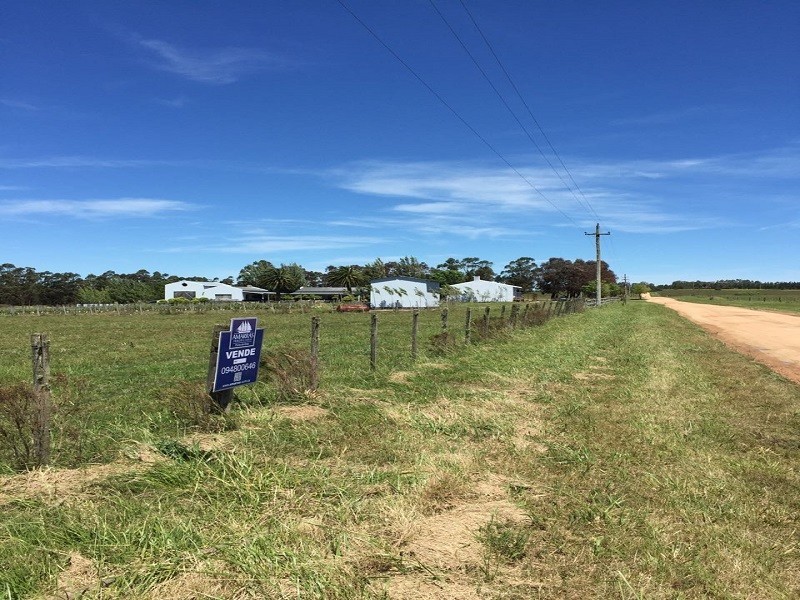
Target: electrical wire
{"type": "Point", "coordinates": [453, 110]}
{"type": "Point", "coordinates": [527, 107]}
{"type": "Point", "coordinates": [508, 107]}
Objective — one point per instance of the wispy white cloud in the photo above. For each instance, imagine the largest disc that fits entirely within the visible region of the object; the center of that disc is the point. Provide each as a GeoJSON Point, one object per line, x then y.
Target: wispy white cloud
{"type": "Point", "coordinates": [643, 196]}
{"type": "Point", "coordinates": [273, 244]}
{"type": "Point", "coordinates": [79, 162]}
{"type": "Point", "coordinates": [453, 183]}
{"type": "Point", "coordinates": [672, 116]}
{"type": "Point", "coordinates": [781, 162]}
{"type": "Point", "coordinates": [473, 232]}
{"type": "Point", "coordinates": [178, 102]}
{"type": "Point", "coordinates": [795, 224]}
{"type": "Point", "coordinates": [19, 105]}
{"type": "Point", "coordinates": [217, 66]}
{"type": "Point", "coordinates": [92, 209]}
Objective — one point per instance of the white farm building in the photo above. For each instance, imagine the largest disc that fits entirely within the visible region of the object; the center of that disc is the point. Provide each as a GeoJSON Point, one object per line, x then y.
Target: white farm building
{"type": "Point", "coordinates": [480, 290]}
{"type": "Point", "coordinates": [214, 290]}
{"type": "Point", "coordinates": [404, 292]}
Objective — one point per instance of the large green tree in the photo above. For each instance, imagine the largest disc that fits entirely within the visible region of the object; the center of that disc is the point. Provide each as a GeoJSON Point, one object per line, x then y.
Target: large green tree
{"type": "Point", "coordinates": [521, 272]}
{"type": "Point", "coordinates": [559, 276]}
{"type": "Point", "coordinates": [351, 276]}
{"type": "Point", "coordinates": [375, 270]}
{"type": "Point", "coordinates": [476, 267]}
{"type": "Point", "coordinates": [285, 279]}
{"type": "Point", "coordinates": [409, 266]}
{"type": "Point", "coordinates": [255, 274]}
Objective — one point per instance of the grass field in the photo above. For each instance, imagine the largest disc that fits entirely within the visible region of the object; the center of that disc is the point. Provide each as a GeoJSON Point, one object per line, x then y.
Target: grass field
{"type": "Point", "coordinates": [615, 453]}
{"type": "Point", "coordinates": [778, 300]}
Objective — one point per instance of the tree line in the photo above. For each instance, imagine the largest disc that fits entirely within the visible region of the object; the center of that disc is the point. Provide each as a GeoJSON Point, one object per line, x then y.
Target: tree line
{"type": "Point", "coordinates": [25, 286]}
{"type": "Point", "coordinates": [556, 276]}
{"type": "Point", "coordinates": [730, 284]}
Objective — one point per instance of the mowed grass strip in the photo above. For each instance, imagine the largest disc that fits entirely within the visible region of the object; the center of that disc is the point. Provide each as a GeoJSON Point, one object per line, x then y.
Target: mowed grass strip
{"type": "Point", "coordinates": [617, 453]}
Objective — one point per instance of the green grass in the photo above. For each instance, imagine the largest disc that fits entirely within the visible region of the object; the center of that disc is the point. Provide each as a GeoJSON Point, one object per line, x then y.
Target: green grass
{"type": "Point", "coordinates": [645, 460]}
{"type": "Point", "coordinates": [777, 300]}
{"type": "Point", "coordinates": [122, 369]}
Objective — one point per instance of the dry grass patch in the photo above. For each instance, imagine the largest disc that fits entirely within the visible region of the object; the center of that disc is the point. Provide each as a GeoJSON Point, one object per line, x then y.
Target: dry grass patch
{"type": "Point", "coordinates": [53, 486]}
{"type": "Point", "coordinates": [442, 555]}
{"type": "Point", "coordinates": [79, 578]}
{"type": "Point", "coordinates": [305, 412]}
{"type": "Point", "coordinates": [204, 581]}
{"type": "Point", "coordinates": [400, 376]}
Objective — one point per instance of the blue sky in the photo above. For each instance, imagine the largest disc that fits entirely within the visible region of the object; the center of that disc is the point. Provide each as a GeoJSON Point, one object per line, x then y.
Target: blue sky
{"type": "Point", "coordinates": [195, 137]}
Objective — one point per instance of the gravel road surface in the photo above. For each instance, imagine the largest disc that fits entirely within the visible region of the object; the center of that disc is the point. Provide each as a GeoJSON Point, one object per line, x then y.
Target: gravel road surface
{"type": "Point", "coordinates": [770, 338]}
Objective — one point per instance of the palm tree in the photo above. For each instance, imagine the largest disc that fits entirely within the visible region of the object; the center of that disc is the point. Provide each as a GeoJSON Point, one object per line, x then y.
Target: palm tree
{"type": "Point", "coordinates": [284, 279]}
{"type": "Point", "coordinates": [348, 277]}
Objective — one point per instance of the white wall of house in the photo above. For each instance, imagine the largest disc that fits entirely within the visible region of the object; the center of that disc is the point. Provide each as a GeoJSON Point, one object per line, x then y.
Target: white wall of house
{"type": "Point", "coordinates": [480, 290]}
{"type": "Point", "coordinates": [203, 289]}
{"type": "Point", "coordinates": [403, 292]}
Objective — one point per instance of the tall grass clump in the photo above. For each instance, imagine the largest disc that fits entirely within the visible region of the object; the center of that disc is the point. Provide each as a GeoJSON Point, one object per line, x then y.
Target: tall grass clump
{"type": "Point", "coordinates": [290, 372]}
{"type": "Point", "coordinates": [19, 427]}
{"type": "Point", "coordinates": [190, 404]}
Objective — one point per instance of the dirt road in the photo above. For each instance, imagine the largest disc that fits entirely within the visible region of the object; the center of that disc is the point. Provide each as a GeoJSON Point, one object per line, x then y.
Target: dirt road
{"type": "Point", "coordinates": [770, 338]}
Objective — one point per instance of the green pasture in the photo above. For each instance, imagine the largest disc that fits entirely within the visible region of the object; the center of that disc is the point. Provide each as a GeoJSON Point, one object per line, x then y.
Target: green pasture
{"type": "Point", "coordinates": [118, 372]}
{"type": "Point", "coordinates": [617, 453]}
{"type": "Point", "coordinates": [777, 300]}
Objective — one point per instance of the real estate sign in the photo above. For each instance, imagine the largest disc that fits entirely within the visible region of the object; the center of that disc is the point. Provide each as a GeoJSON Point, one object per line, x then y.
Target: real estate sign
{"type": "Point", "coordinates": [238, 355]}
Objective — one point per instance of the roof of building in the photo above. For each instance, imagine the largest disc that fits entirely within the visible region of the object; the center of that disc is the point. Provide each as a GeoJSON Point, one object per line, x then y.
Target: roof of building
{"type": "Point", "coordinates": [429, 282]}
{"type": "Point", "coordinates": [474, 281]}
{"type": "Point", "coordinates": [251, 289]}
{"type": "Point", "coordinates": [321, 291]}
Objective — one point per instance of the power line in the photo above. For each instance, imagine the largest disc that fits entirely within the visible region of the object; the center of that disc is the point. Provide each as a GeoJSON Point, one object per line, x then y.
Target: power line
{"type": "Point", "coordinates": [452, 110]}
{"type": "Point", "coordinates": [530, 112]}
{"type": "Point", "coordinates": [508, 107]}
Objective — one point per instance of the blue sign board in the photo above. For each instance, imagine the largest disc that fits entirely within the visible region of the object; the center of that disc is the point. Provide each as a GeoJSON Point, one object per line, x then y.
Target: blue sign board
{"type": "Point", "coordinates": [238, 355]}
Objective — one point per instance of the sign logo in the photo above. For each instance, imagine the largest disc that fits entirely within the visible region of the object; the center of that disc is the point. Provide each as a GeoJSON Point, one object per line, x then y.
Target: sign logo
{"type": "Point", "coordinates": [243, 333]}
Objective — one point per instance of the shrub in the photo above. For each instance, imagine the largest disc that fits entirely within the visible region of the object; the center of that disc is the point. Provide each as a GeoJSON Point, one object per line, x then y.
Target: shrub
{"type": "Point", "coordinates": [290, 371]}
{"type": "Point", "coordinates": [442, 343]}
{"type": "Point", "coordinates": [535, 315]}
{"type": "Point", "coordinates": [192, 406]}
{"type": "Point", "coordinates": [20, 426]}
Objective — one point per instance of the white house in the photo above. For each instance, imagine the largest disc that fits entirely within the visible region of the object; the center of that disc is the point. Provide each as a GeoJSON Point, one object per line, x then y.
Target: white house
{"type": "Point", "coordinates": [480, 290]}
{"type": "Point", "coordinates": [214, 290]}
{"type": "Point", "coordinates": [404, 292]}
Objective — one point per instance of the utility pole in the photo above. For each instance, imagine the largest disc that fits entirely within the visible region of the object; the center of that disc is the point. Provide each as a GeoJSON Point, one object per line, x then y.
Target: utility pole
{"type": "Point", "coordinates": [625, 289]}
{"type": "Point", "coordinates": [597, 235]}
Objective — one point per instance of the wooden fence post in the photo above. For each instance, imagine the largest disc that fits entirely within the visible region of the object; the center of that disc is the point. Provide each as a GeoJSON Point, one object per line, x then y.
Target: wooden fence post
{"type": "Point", "coordinates": [444, 320]}
{"type": "Point", "coordinates": [503, 316]}
{"type": "Point", "coordinates": [486, 321]}
{"type": "Point", "coordinates": [514, 314]}
{"type": "Point", "coordinates": [314, 353]}
{"type": "Point", "coordinates": [468, 327]}
{"type": "Point", "coordinates": [40, 346]}
{"type": "Point", "coordinates": [414, 332]}
{"type": "Point", "coordinates": [220, 401]}
{"type": "Point", "coordinates": [525, 314]}
{"type": "Point", "coordinates": [373, 343]}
